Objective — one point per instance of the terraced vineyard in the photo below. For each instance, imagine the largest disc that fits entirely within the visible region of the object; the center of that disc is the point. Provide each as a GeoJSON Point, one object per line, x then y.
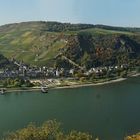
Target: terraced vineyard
{"type": "Point", "coordinates": [40, 43]}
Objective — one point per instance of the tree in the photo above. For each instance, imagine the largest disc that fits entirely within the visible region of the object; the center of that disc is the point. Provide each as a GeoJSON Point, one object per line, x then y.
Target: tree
{"type": "Point", "coordinates": [133, 137]}
{"type": "Point", "coordinates": [50, 130]}
{"type": "Point", "coordinates": [124, 74]}
{"type": "Point", "coordinates": [138, 69]}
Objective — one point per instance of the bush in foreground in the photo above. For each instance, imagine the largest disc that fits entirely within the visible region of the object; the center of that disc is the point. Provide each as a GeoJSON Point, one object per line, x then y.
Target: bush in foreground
{"type": "Point", "coordinates": [133, 137]}
{"type": "Point", "coordinates": [50, 130]}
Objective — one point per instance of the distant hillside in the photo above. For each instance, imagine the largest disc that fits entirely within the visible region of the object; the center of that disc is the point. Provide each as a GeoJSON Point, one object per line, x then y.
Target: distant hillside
{"type": "Point", "coordinates": [68, 45]}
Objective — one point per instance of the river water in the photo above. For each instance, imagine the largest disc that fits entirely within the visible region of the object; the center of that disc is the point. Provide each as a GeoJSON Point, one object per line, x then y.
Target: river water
{"type": "Point", "coordinates": [109, 111]}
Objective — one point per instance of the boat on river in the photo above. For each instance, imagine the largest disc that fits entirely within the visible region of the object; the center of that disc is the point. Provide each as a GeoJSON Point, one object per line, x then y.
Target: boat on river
{"type": "Point", "coordinates": [2, 91]}
{"type": "Point", "coordinates": [44, 89]}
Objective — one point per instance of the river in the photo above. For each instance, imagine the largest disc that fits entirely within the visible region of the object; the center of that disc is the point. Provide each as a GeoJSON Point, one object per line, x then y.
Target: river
{"type": "Point", "coordinates": [109, 111]}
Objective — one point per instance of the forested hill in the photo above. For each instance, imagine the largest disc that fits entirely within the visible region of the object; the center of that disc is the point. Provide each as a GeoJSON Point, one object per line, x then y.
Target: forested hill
{"type": "Point", "coordinates": [69, 45]}
{"type": "Point", "coordinates": [5, 63]}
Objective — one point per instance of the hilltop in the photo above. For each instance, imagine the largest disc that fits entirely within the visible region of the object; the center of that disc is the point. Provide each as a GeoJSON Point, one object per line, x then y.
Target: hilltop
{"type": "Point", "coordinates": [70, 45]}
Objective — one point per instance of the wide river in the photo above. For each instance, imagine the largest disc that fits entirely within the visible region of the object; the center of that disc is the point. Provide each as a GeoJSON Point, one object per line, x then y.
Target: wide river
{"type": "Point", "coordinates": [109, 111]}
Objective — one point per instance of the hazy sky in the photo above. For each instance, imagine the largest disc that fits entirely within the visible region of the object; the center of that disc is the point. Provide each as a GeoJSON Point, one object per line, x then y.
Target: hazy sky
{"type": "Point", "coordinates": [110, 12]}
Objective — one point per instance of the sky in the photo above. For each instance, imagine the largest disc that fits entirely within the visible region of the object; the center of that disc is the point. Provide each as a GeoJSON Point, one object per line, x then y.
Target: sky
{"type": "Point", "coordinates": [108, 12]}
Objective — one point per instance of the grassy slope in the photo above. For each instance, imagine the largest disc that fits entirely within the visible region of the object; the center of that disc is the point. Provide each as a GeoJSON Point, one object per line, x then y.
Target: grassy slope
{"type": "Point", "coordinates": [33, 44]}
{"type": "Point", "coordinates": [29, 43]}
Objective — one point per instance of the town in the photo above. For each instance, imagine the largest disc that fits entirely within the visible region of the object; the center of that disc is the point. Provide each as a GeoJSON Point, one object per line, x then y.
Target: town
{"type": "Point", "coordinates": [23, 70]}
{"type": "Point", "coordinates": [30, 76]}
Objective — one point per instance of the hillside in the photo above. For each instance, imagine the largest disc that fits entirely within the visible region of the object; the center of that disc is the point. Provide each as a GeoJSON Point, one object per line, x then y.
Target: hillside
{"type": "Point", "coordinates": [68, 45]}
{"type": "Point", "coordinates": [5, 63]}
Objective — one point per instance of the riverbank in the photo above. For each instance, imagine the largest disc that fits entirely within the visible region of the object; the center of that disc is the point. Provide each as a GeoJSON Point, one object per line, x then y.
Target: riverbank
{"type": "Point", "coordinates": [22, 90]}
{"type": "Point", "coordinates": [71, 85]}
{"type": "Point", "coordinates": [10, 90]}
{"type": "Point", "coordinates": [92, 84]}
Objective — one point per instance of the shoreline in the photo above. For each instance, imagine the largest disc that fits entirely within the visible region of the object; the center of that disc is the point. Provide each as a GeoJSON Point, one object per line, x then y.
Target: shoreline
{"type": "Point", "coordinates": [91, 84]}
{"type": "Point", "coordinates": [23, 90]}
{"type": "Point", "coordinates": [73, 85]}
{"type": "Point", "coordinates": [66, 87]}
